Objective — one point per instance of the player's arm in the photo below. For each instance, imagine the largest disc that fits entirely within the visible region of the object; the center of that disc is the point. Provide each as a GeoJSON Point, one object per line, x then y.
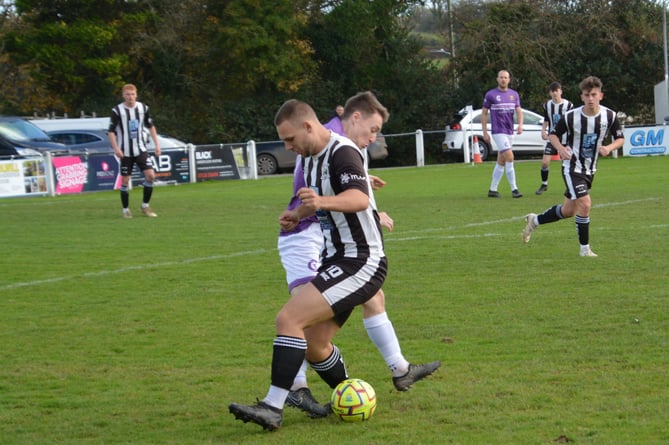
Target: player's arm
{"type": "Point", "coordinates": [544, 125]}
{"type": "Point", "coordinates": [618, 139]}
{"type": "Point", "coordinates": [556, 135]}
{"type": "Point", "coordinates": [289, 219]}
{"type": "Point", "coordinates": [519, 112]}
{"type": "Point", "coordinates": [484, 124]}
{"type": "Point", "coordinates": [154, 136]}
{"type": "Point", "coordinates": [386, 221]}
{"type": "Point", "coordinates": [376, 182]}
{"type": "Point", "coordinates": [111, 132]}
{"type": "Point", "coordinates": [350, 200]}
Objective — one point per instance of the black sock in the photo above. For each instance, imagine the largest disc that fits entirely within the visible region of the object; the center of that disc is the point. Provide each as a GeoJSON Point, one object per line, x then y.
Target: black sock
{"type": "Point", "coordinates": [287, 358]}
{"type": "Point", "coordinates": [551, 215]}
{"type": "Point", "coordinates": [125, 196]}
{"type": "Point", "coordinates": [148, 190]}
{"type": "Point", "coordinates": [583, 229]}
{"type": "Point", "coordinates": [544, 175]}
{"type": "Point", "coordinates": [332, 370]}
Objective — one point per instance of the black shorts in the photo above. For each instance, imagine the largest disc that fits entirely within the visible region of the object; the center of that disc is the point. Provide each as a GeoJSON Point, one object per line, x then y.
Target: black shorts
{"type": "Point", "coordinates": [143, 161]}
{"type": "Point", "coordinates": [578, 185]}
{"type": "Point", "coordinates": [349, 282]}
{"type": "Point", "coordinates": [549, 150]}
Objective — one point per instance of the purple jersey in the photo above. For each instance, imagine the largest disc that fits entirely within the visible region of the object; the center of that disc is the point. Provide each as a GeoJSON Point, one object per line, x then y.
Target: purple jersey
{"type": "Point", "coordinates": [335, 125]}
{"type": "Point", "coordinates": [298, 183]}
{"type": "Point", "coordinates": [502, 105]}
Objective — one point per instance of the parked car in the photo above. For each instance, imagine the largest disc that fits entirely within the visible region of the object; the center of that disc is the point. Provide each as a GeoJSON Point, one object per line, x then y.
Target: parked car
{"type": "Point", "coordinates": [90, 141]}
{"type": "Point", "coordinates": [9, 150]}
{"type": "Point", "coordinates": [272, 156]}
{"type": "Point", "coordinates": [23, 134]}
{"type": "Point", "coordinates": [90, 134]}
{"type": "Point", "coordinates": [529, 141]}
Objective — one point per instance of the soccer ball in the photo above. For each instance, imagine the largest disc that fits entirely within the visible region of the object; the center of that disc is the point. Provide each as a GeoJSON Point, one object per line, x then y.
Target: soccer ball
{"type": "Point", "coordinates": [353, 400]}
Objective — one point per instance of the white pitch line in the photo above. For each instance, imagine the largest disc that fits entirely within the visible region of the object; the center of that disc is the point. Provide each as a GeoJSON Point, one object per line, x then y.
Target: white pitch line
{"type": "Point", "coordinates": [260, 251]}
{"type": "Point", "coordinates": [130, 268]}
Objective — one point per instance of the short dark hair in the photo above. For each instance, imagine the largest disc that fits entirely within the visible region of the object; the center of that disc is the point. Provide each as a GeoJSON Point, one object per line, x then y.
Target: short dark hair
{"type": "Point", "coordinates": [293, 109]}
{"type": "Point", "coordinates": [589, 83]}
{"type": "Point", "coordinates": [554, 86]}
{"type": "Point", "coordinates": [367, 104]}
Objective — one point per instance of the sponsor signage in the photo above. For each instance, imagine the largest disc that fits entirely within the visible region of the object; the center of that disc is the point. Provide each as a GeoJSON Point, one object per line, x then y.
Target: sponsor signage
{"type": "Point", "coordinates": [86, 173]}
{"type": "Point", "coordinates": [215, 162]}
{"type": "Point", "coordinates": [22, 177]}
{"type": "Point", "coordinates": [645, 141]}
{"type": "Point", "coordinates": [171, 167]}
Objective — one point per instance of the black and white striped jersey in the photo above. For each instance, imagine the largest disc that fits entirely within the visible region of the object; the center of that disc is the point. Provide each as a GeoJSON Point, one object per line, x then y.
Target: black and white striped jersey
{"type": "Point", "coordinates": [129, 124]}
{"type": "Point", "coordinates": [585, 134]}
{"type": "Point", "coordinates": [554, 112]}
{"type": "Point", "coordinates": [337, 168]}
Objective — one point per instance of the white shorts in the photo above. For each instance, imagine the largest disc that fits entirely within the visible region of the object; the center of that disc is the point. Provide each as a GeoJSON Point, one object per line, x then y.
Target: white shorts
{"type": "Point", "coordinates": [503, 141]}
{"type": "Point", "coordinates": [300, 255]}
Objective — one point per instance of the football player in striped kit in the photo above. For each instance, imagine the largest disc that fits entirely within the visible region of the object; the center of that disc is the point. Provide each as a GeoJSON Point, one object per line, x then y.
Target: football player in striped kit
{"type": "Point", "coordinates": [554, 109]}
{"type": "Point", "coordinates": [300, 256]}
{"type": "Point", "coordinates": [353, 265]}
{"type": "Point", "coordinates": [586, 128]}
{"type": "Point", "coordinates": [127, 124]}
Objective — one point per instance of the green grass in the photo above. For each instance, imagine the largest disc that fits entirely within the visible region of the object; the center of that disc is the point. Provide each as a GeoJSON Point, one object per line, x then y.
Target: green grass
{"type": "Point", "coordinates": [143, 331]}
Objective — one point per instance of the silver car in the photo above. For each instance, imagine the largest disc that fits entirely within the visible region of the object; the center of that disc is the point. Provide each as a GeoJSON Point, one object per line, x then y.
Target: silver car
{"type": "Point", "coordinates": [529, 141]}
{"type": "Point", "coordinates": [90, 134]}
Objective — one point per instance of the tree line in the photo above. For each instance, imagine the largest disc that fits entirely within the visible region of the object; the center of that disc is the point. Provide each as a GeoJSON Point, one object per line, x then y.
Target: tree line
{"type": "Point", "coordinates": [217, 70]}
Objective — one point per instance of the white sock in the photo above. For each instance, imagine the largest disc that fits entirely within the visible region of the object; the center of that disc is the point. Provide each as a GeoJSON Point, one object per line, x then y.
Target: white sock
{"type": "Point", "coordinates": [276, 397]}
{"type": "Point", "coordinates": [497, 174]}
{"type": "Point", "coordinates": [381, 332]}
{"type": "Point", "coordinates": [301, 378]}
{"type": "Point", "coordinates": [511, 175]}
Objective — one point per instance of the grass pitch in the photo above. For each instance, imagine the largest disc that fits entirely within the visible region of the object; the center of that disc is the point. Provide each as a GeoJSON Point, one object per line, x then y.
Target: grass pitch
{"type": "Point", "coordinates": [143, 331]}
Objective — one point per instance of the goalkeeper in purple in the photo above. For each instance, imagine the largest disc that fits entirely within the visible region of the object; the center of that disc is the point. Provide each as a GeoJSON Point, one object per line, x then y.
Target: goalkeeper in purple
{"type": "Point", "coordinates": [502, 102]}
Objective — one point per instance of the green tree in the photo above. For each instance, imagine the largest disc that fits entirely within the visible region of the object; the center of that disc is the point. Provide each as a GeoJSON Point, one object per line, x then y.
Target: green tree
{"type": "Point", "coordinates": [67, 49]}
{"type": "Point", "coordinates": [561, 40]}
{"type": "Point", "coordinates": [362, 45]}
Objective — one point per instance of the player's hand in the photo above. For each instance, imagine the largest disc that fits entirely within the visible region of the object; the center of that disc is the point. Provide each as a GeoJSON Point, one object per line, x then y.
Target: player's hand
{"type": "Point", "coordinates": [386, 221]}
{"type": "Point", "coordinates": [118, 153]}
{"type": "Point", "coordinates": [309, 198]}
{"type": "Point", "coordinates": [376, 182]}
{"type": "Point", "coordinates": [288, 220]}
{"type": "Point", "coordinates": [519, 130]}
{"type": "Point", "coordinates": [605, 150]}
{"type": "Point", "coordinates": [565, 154]}
{"type": "Point", "coordinates": [157, 150]}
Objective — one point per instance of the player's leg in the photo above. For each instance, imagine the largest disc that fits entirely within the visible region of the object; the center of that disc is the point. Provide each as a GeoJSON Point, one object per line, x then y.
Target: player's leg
{"type": "Point", "coordinates": [300, 257]}
{"type": "Point", "coordinates": [582, 220]}
{"type": "Point", "coordinates": [337, 289]}
{"type": "Point", "coordinates": [145, 163]}
{"type": "Point", "coordinates": [545, 167]}
{"type": "Point", "coordinates": [126, 170]}
{"type": "Point", "coordinates": [554, 213]}
{"type": "Point", "coordinates": [306, 308]}
{"type": "Point", "coordinates": [511, 173]}
{"type": "Point", "coordinates": [497, 174]}
{"type": "Point", "coordinates": [382, 333]}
